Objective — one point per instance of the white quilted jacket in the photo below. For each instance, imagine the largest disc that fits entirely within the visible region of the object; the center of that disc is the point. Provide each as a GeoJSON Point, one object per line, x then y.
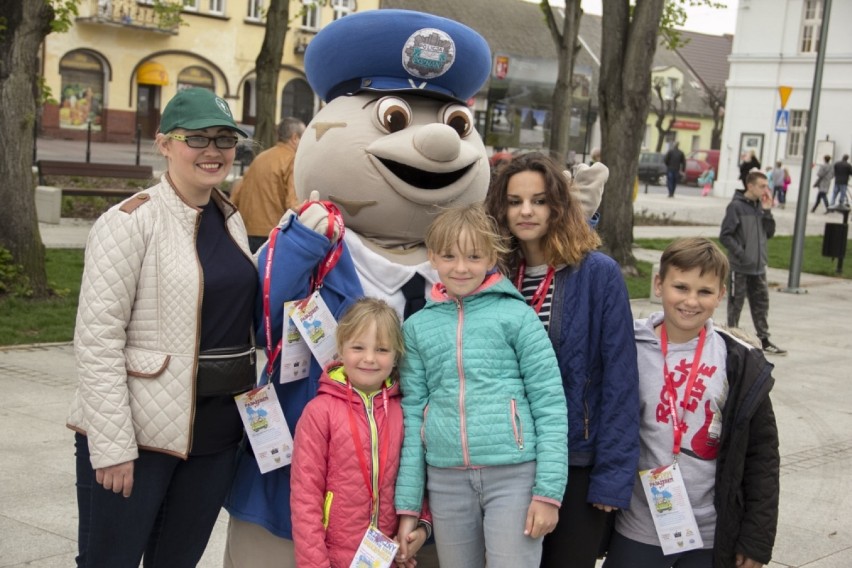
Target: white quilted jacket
{"type": "Point", "coordinates": [137, 332]}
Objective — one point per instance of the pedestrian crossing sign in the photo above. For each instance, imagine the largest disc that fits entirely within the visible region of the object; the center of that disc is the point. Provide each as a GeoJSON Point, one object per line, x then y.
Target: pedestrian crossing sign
{"type": "Point", "coordinates": [782, 120]}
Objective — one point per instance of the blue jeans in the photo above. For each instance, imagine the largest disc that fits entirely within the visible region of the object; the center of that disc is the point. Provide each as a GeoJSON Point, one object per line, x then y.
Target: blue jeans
{"type": "Point", "coordinates": [627, 553]}
{"type": "Point", "coordinates": [672, 177]}
{"type": "Point", "coordinates": [168, 517]}
{"type": "Point", "coordinates": [839, 191]}
{"type": "Point", "coordinates": [479, 514]}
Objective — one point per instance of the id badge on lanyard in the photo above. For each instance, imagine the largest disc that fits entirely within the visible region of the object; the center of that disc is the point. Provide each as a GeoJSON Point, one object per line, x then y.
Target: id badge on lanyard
{"type": "Point", "coordinates": [293, 348]}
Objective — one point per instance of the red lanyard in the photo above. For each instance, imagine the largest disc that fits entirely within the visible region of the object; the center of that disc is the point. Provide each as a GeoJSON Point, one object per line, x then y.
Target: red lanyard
{"type": "Point", "coordinates": [679, 424]}
{"type": "Point", "coordinates": [335, 219]}
{"type": "Point", "coordinates": [383, 453]}
{"type": "Point", "coordinates": [540, 294]}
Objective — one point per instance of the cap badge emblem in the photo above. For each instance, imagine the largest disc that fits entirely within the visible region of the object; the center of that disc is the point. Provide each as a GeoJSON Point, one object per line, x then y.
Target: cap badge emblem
{"type": "Point", "coordinates": [428, 53]}
{"type": "Point", "coordinates": [223, 106]}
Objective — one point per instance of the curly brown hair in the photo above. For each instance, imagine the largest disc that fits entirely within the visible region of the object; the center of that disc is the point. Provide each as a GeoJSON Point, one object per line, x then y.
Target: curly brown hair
{"type": "Point", "coordinates": [569, 237]}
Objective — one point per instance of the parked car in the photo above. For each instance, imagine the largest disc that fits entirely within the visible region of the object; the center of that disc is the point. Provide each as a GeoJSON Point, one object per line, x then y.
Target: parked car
{"type": "Point", "coordinates": [246, 147]}
{"type": "Point", "coordinates": [698, 162]}
{"type": "Point", "coordinates": [651, 168]}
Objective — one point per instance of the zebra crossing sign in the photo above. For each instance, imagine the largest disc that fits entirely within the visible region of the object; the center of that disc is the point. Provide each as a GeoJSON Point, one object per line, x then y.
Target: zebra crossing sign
{"type": "Point", "coordinates": [782, 120]}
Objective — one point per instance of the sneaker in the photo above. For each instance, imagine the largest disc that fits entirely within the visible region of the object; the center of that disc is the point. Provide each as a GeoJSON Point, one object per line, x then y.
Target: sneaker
{"type": "Point", "coordinates": [772, 349]}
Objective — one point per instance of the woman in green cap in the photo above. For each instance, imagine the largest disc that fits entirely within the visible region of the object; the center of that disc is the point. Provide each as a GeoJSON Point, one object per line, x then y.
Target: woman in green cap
{"type": "Point", "coordinates": [163, 342]}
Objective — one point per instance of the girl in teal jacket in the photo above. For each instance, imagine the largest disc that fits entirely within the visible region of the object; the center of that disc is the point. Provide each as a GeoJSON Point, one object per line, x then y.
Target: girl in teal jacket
{"type": "Point", "coordinates": [484, 410]}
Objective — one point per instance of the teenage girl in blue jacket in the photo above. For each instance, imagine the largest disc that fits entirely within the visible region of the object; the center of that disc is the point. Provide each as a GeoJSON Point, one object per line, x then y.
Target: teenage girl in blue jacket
{"type": "Point", "coordinates": [581, 299]}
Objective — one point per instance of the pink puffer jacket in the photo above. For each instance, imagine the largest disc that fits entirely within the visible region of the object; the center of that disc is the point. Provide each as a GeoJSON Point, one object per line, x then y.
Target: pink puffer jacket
{"type": "Point", "coordinates": [330, 498]}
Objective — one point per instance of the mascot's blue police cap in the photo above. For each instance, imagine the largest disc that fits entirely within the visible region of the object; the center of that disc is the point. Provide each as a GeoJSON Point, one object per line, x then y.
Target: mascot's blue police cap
{"type": "Point", "coordinates": [397, 51]}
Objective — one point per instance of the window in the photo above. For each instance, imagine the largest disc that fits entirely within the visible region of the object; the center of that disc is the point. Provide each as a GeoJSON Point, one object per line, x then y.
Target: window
{"type": "Point", "coordinates": [310, 15]}
{"type": "Point", "coordinates": [195, 76]}
{"type": "Point", "coordinates": [82, 94]}
{"type": "Point", "coordinates": [342, 8]}
{"type": "Point", "coordinates": [297, 99]}
{"type": "Point", "coordinates": [256, 10]}
{"type": "Point", "coordinates": [190, 5]}
{"type": "Point", "coordinates": [811, 22]}
{"type": "Point", "coordinates": [796, 134]}
{"type": "Point", "coordinates": [217, 7]}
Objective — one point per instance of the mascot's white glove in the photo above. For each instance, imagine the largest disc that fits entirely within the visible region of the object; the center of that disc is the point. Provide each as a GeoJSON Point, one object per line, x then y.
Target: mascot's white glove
{"type": "Point", "coordinates": [588, 185]}
{"type": "Point", "coordinates": [315, 217]}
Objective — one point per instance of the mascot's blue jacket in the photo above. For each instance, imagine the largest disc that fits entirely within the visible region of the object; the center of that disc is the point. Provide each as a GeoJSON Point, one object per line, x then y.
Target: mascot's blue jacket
{"type": "Point", "coordinates": [298, 251]}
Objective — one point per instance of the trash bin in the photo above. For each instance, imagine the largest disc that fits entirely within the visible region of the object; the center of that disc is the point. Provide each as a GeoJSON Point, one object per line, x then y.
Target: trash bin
{"type": "Point", "coordinates": [834, 240]}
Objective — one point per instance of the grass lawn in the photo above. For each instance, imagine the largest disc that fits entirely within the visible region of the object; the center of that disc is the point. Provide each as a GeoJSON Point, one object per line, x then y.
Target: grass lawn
{"type": "Point", "coordinates": [25, 321]}
{"type": "Point", "coordinates": [779, 249]}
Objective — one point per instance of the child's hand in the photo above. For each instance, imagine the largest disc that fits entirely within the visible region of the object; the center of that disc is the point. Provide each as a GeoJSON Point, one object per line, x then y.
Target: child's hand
{"type": "Point", "coordinates": [404, 535]}
{"type": "Point", "coordinates": [541, 519]}
{"type": "Point", "coordinates": [605, 508]}
{"type": "Point", "coordinates": [743, 562]}
{"type": "Point", "coordinates": [416, 539]}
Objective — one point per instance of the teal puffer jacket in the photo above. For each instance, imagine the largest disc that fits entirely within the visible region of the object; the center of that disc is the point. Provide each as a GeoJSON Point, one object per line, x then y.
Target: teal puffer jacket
{"type": "Point", "coordinates": [481, 387]}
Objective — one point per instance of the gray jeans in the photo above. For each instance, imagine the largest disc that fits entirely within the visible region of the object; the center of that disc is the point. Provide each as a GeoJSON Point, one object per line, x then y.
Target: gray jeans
{"type": "Point", "coordinates": [479, 514]}
{"type": "Point", "coordinates": [756, 288]}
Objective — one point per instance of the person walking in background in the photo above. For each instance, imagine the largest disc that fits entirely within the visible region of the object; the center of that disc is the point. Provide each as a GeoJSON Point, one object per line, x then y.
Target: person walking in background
{"type": "Point", "coordinates": [486, 425]}
{"type": "Point", "coordinates": [823, 182]}
{"type": "Point", "coordinates": [746, 227]}
{"type": "Point", "coordinates": [707, 415]}
{"type": "Point", "coordinates": [675, 163]}
{"type": "Point", "coordinates": [354, 420]}
{"type": "Point", "coordinates": [706, 180]}
{"type": "Point", "coordinates": [748, 163]}
{"type": "Point", "coordinates": [163, 342]}
{"type": "Point", "coordinates": [842, 171]}
{"type": "Point", "coordinates": [780, 179]}
{"type": "Point", "coordinates": [582, 301]}
{"type": "Point", "coordinates": [267, 188]}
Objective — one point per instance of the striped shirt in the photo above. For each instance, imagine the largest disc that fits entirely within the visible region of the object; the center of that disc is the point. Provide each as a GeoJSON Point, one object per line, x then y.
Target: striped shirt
{"type": "Point", "coordinates": [533, 276]}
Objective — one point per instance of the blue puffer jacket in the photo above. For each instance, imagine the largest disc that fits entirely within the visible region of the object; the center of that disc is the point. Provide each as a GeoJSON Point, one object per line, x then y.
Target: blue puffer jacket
{"type": "Point", "coordinates": [265, 499]}
{"type": "Point", "coordinates": [591, 328]}
{"type": "Point", "coordinates": [480, 388]}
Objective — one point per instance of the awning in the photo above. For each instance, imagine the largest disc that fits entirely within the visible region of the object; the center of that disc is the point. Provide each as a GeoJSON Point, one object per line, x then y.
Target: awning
{"type": "Point", "coordinates": [152, 73]}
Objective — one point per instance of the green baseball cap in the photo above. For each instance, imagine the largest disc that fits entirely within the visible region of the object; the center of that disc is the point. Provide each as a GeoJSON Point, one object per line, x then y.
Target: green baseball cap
{"type": "Point", "coordinates": [197, 109]}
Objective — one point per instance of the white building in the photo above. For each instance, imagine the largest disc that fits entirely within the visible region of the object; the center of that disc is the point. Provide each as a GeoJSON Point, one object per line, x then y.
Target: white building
{"type": "Point", "coordinates": [776, 45]}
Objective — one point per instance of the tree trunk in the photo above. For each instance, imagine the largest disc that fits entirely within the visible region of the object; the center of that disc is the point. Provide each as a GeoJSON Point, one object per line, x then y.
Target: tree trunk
{"type": "Point", "coordinates": [566, 48]}
{"type": "Point", "coordinates": [267, 67]}
{"type": "Point", "coordinates": [27, 23]}
{"type": "Point", "coordinates": [627, 54]}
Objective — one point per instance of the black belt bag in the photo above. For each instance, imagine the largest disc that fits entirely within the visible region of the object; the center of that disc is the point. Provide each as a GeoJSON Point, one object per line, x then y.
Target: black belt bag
{"type": "Point", "coordinates": [226, 370]}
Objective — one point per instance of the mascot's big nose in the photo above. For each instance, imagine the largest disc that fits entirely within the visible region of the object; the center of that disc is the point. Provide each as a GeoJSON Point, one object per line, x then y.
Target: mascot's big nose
{"type": "Point", "coordinates": [437, 142]}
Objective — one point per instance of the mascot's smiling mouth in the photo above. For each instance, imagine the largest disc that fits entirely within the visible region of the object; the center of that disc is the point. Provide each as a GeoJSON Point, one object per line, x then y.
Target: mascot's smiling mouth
{"type": "Point", "coordinates": [423, 179]}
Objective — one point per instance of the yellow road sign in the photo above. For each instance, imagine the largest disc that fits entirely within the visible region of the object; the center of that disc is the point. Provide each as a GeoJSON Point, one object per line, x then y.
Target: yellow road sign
{"type": "Point", "coordinates": [785, 94]}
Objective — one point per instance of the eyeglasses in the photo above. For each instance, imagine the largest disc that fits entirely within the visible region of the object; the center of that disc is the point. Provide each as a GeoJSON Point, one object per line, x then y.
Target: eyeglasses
{"type": "Point", "coordinates": [198, 141]}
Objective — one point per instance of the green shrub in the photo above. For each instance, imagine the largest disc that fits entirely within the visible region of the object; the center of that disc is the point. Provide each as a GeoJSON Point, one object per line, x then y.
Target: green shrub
{"type": "Point", "coordinates": [13, 282]}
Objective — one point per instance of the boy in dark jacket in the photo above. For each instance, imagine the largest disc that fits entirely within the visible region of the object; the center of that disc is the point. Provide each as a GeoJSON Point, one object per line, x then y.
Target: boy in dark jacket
{"type": "Point", "coordinates": [747, 226]}
{"type": "Point", "coordinates": [706, 417]}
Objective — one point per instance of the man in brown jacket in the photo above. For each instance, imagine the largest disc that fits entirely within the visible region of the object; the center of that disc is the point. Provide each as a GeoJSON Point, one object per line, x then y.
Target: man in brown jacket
{"type": "Point", "coordinates": [267, 190]}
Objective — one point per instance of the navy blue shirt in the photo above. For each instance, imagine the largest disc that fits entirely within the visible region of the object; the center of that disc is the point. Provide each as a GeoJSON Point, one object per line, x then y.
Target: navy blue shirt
{"type": "Point", "coordinates": [227, 304]}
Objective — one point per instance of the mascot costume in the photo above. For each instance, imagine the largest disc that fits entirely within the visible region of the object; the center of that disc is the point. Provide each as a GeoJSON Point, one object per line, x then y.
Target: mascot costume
{"type": "Point", "coordinates": [394, 144]}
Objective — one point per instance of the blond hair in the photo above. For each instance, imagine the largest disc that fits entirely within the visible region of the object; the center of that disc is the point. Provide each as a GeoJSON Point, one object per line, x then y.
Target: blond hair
{"type": "Point", "coordinates": [358, 317]}
{"type": "Point", "coordinates": [471, 221]}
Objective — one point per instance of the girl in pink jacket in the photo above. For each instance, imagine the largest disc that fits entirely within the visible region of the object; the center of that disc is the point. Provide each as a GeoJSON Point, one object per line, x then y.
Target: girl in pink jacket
{"type": "Point", "coordinates": [347, 444]}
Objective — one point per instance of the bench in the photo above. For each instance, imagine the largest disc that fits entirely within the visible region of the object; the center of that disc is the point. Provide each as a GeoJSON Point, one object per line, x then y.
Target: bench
{"type": "Point", "coordinates": [49, 199]}
{"type": "Point", "coordinates": [91, 169]}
